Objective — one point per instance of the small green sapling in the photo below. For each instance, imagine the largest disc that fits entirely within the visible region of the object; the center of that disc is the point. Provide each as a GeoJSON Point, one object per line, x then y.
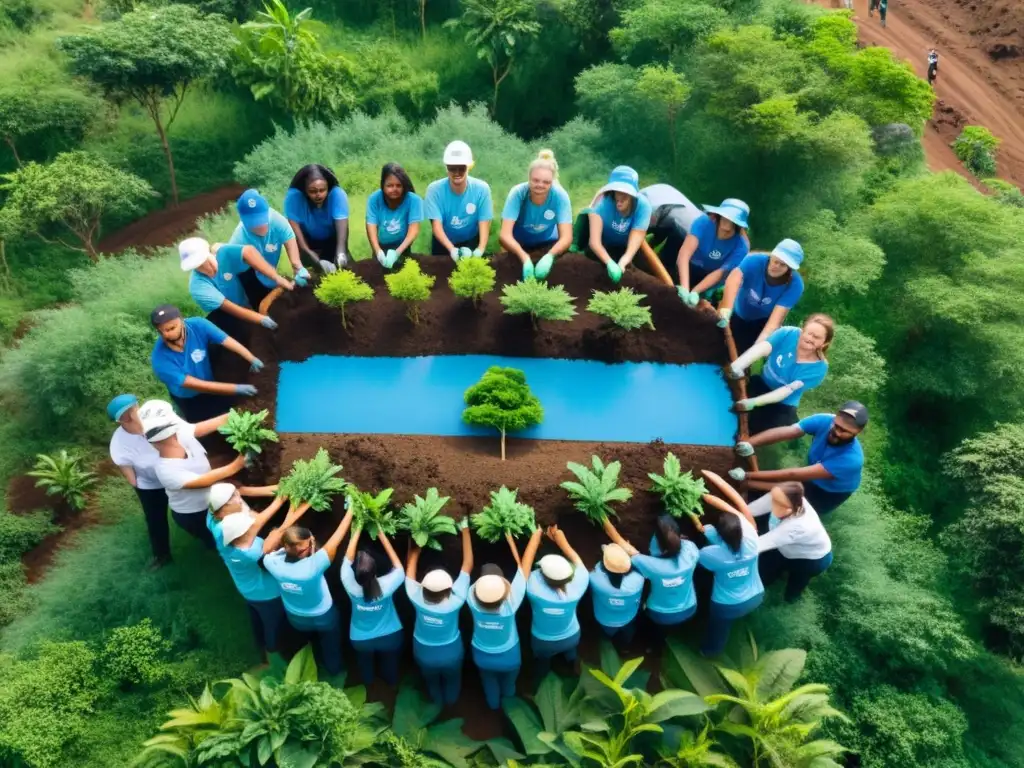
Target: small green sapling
{"type": "Point", "coordinates": [472, 279]}
{"type": "Point", "coordinates": [371, 513]}
{"type": "Point", "coordinates": [502, 399]}
{"type": "Point", "coordinates": [410, 285]}
{"type": "Point", "coordinates": [504, 515]}
{"type": "Point", "coordinates": [541, 300]}
{"type": "Point", "coordinates": [245, 432]}
{"type": "Point", "coordinates": [62, 475]}
{"type": "Point", "coordinates": [341, 288]}
{"type": "Point", "coordinates": [424, 521]}
{"type": "Point", "coordinates": [314, 481]}
{"type": "Point", "coordinates": [622, 307]}
{"type": "Point", "coordinates": [597, 489]}
{"type": "Point", "coordinates": [680, 491]}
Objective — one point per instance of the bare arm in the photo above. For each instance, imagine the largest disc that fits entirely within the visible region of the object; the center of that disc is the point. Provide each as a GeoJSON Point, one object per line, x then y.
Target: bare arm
{"type": "Point", "coordinates": [484, 228]}
{"type": "Point", "coordinates": [332, 544]}
{"type": "Point", "coordinates": [515, 550]}
{"type": "Point", "coordinates": [273, 540]}
{"type": "Point", "coordinates": [209, 387]}
{"type": "Point", "coordinates": [564, 239]}
{"type": "Point", "coordinates": [353, 544]}
{"type": "Point", "coordinates": [209, 426]}
{"type": "Point", "coordinates": [596, 246]}
{"type": "Point", "coordinates": [410, 237]}
{"type": "Point", "coordinates": [371, 236]}
{"type": "Point", "coordinates": [728, 491]}
{"type": "Point", "coordinates": [776, 435]}
{"type": "Point", "coordinates": [386, 543]}
{"type": "Point", "coordinates": [291, 247]}
{"type": "Point", "coordinates": [217, 475]}
{"type": "Point", "coordinates": [252, 257]}
{"type": "Point", "coordinates": [301, 240]}
{"type": "Point", "coordinates": [636, 239]}
{"type": "Point", "coordinates": [508, 241]}
{"type": "Point", "coordinates": [732, 289]}
{"type": "Point", "coordinates": [710, 281]}
{"type": "Point", "coordinates": [558, 536]}
{"type": "Point", "coordinates": [467, 551]}
{"type": "Point", "coordinates": [686, 252]}
{"type": "Point", "coordinates": [257, 491]}
{"type": "Point", "coordinates": [412, 560]}
{"type": "Point", "coordinates": [438, 229]}
{"type": "Point", "coordinates": [237, 348]}
{"type": "Point", "coordinates": [341, 233]}
{"type": "Point", "coordinates": [616, 537]}
{"type": "Point", "coordinates": [717, 503]}
{"type": "Point", "coordinates": [531, 552]}
{"type": "Point", "coordinates": [242, 313]}
{"type": "Point", "coordinates": [129, 474]}
{"type": "Point", "coordinates": [803, 474]}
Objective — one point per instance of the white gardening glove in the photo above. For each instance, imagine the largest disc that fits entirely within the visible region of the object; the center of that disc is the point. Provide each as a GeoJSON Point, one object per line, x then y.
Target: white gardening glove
{"type": "Point", "coordinates": [327, 267]}
{"type": "Point", "coordinates": [382, 258]}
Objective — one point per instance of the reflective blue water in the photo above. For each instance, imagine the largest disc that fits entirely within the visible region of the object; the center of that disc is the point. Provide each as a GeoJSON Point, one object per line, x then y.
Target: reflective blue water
{"type": "Point", "coordinates": [582, 399]}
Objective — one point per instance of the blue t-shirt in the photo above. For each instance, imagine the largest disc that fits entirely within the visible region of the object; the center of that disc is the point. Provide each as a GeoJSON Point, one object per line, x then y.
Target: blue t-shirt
{"type": "Point", "coordinates": [373, 618]}
{"type": "Point", "coordinates": [536, 224]}
{"type": "Point", "coordinates": [210, 292]}
{"type": "Point", "coordinates": [781, 367]}
{"type": "Point", "coordinates": [317, 223]}
{"type": "Point", "coordinates": [254, 583]}
{"type": "Point", "coordinates": [303, 586]}
{"type": "Point", "coordinates": [615, 227]}
{"type": "Point", "coordinates": [736, 576]}
{"type": "Point", "coordinates": [616, 606]}
{"type": "Point", "coordinates": [460, 215]}
{"type": "Point", "coordinates": [757, 297]}
{"type": "Point", "coordinates": [393, 225]}
{"type": "Point", "coordinates": [712, 253]}
{"type": "Point", "coordinates": [495, 631]}
{"type": "Point", "coordinates": [173, 367]}
{"type": "Point", "coordinates": [671, 577]}
{"type": "Point", "coordinates": [843, 462]}
{"type": "Point", "coordinates": [438, 623]}
{"type": "Point", "coordinates": [270, 245]}
{"type": "Point", "coordinates": [554, 612]}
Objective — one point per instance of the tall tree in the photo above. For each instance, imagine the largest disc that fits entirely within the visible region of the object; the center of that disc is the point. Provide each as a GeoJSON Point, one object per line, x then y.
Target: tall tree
{"type": "Point", "coordinates": [152, 56]}
{"type": "Point", "coordinates": [43, 116]}
{"type": "Point", "coordinates": [667, 92]}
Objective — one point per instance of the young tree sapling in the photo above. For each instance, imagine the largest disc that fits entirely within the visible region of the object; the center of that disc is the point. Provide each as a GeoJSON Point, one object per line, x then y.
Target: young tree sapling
{"type": "Point", "coordinates": [622, 307]}
{"type": "Point", "coordinates": [597, 489]}
{"type": "Point", "coordinates": [410, 285]}
{"type": "Point", "coordinates": [680, 491]}
{"type": "Point", "coordinates": [314, 481]}
{"type": "Point", "coordinates": [341, 288]}
{"type": "Point", "coordinates": [502, 399]}
{"type": "Point", "coordinates": [424, 521]}
{"type": "Point", "coordinates": [504, 515]}
{"type": "Point", "coordinates": [472, 279]}
{"type": "Point", "coordinates": [541, 300]}
{"type": "Point", "coordinates": [245, 432]}
{"type": "Point", "coordinates": [62, 475]}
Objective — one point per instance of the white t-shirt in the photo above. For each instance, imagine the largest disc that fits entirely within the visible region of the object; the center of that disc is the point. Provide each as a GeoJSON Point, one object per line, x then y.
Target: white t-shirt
{"type": "Point", "coordinates": [800, 537]}
{"type": "Point", "coordinates": [173, 474]}
{"type": "Point", "coordinates": [135, 451]}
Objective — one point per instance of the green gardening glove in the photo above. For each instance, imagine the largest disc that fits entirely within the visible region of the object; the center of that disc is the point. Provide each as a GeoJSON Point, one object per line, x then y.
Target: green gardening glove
{"type": "Point", "coordinates": [738, 474]}
{"type": "Point", "coordinates": [724, 315]}
{"type": "Point", "coordinates": [463, 523]}
{"type": "Point", "coordinates": [743, 448]}
{"type": "Point", "coordinates": [478, 252]}
{"type": "Point", "coordinates": [544, 266]}
{"type": "Point", "coordinates": [528, 270]}
{"type": "Point", "coordinates": [614, 271]}
{"type": "Point", "coordinates": [465, 253]}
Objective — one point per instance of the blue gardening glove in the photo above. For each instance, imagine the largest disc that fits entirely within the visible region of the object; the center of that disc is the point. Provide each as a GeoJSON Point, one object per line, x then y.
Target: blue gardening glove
{"type": "Point", "coordinates": [268, 322]}
{"type": "Point", "coordinates": [256, 365]}
{"type": "Point", "coordinates": [248, 390]}
{"type": "Point", "coordinates": [302, 277]}
{"type": "Point", "coordinates": [390, 258]}
{"type": "Point", "coordinates": [478, 252]}
{"type": "Point", "coordinates": [614, 271]}
{"type": "Point", "coordinates": [455, 254]}
{"type": "Point", "coordinates": [738, 474]}
{"type": "Point", "coordinates": [724, 315]}
{"type": "Point", "coordinates": [465, 253]}
{"type": "Point", "coordinates": [382, 259]}
{"type": "Point", "coordinates": [690, 298]}
{"type": "Point", "coordinates": [528, 270]}
{"type": "Point", "coordinates": [544, 266]}
{"type": "Point", "coordinates": [743, 448]}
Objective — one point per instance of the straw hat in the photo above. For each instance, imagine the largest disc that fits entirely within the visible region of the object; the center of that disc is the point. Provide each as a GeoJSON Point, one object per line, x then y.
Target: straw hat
{"type": "Point", "coordinates": [615, 559]}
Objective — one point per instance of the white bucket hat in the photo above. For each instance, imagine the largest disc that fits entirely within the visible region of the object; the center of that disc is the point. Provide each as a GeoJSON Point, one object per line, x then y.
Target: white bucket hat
{"type": "Point", "coordinates": [220, 494]}
{"type": "Point", "coordinates": [615, 559]}
{"type": "Point", "coordinates": [490, 589]}
{"type": "Point", "coordinates": [437, 580]}
{"type": "Point", "coordinates": [458, 153]}
{"type": "Point", "coordinates": [160, 426]}
{"type": "Point", "coordinates": [235, 525]}
{"type": "Point", "coordinates": [555, 567]}
{"type": "Point", "coordinates": [193, 251]}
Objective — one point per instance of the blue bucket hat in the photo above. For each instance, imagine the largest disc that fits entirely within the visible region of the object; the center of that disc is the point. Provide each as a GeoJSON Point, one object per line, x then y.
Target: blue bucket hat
{"type": "Point", "coordinates": [253, 209]}
{"type": "Point", "coordinates": [120, 404]}
{"type": "Point", "coordinates": [622, 179]}
{"type": "Point", "coordinates": [790, 253]}
{"type": "Point", "coordinates": [732, 209]}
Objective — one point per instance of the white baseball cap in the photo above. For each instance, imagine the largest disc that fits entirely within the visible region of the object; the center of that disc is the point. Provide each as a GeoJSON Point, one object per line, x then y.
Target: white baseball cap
{"type": "Point", "coordinates": [555, 567]}
{"type": "Point", "coordinates": [193, 251]}
{"type": "Point", "coordinates": [220, 494]}
{"type": "Point", "coordinates": [159, 426]}
{"type": "Point", "coordinates": [490, 589]}
{"type": "Point", "coordinates": [235, 525]}
{"type": "Point", "coordinates": [157, 409]}
{"type": "Point", "coordinates": [458, 153]}
{"type": "Point", "coordinates": [437, 580]}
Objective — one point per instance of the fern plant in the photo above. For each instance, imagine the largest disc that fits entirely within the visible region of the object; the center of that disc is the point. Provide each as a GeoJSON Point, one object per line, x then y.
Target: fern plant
{"type": "Point", "coordinates": [62, 475]}
{"type": "Point", "coordinates": [595, 490]}
{"type": "Point", "coordinates": [504, 515]}
{"type": "Point", "coordinates": [424, 521]}
{"type": "Point", "coordinates": [680, 491]}
{"type": "Point", "coordinates": [622, 307]}
{"type": "Point", "coordinates": [410, 285]}
{"type": "Point", "coordinates": [541, 300]}
{"type": "Point", "coordinates": [371, 513]}
{"type": "Point", "coordinates": [472, 279]}
{"type": "Point", "coordinates": [245, 432]}
{"type": "Point", "coordinates": [314, 481]}
{"type": "Point", "coordinates": [341, 288]}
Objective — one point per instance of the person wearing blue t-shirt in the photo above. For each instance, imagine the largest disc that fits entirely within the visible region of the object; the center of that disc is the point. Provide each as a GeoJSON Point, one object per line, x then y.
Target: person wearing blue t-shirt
{"type": "Point", "coordinates": [393, 215]}
{"type": "Point", "coordinates": [299, 569]}
{"type": "Point", "coordinates": [181, 360]}
{"type": "Point", "coordinates": [436, 642]}
{"type": "Point", "coordinates": [616, 587]}
{"type": "Point", "coordinates": [760, 292]}
{"type": "Point", "coordinates": [795, 362]}
{"type": "Point", "coordinates": [732, 557]}
{"type": "Point", "coordinates": [716, 244]}
{"type": "Point", "coordinates": [459, 207]}
{"type": "Point", "coordinates": [317, 209]}
{"type": "Point", "coordinates": [537, 217]}
{"type": "Point", "coordinates": [613, 228]}
{"type": "Point", "coordinates": [555, 589]}
{"type": "Point", "coordinates": [493, 601]}
{"type": "Point", "coordinates": [834, 462]}
{"type": "Point", "coordinates": [268, 232]}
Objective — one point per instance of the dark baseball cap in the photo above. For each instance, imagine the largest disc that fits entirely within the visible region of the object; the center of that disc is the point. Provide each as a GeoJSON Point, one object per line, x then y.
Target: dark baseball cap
{"type": "Point", "coordinates": [163, 314]}
{"type": "Point", "coordinates": [855, 412]}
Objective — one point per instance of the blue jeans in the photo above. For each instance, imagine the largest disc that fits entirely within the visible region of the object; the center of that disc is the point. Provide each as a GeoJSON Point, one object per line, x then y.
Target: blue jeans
{"type": "Point", "coordinates": [326, 631]}
{"type": "Point", "coordinates": [824, 501]}
{"type": "Point", "coordinates": [387, 648]}
{"type": "Point", "coordinates": [441, 666]}
{"type": "Point", "coordinates": [720, 621]}
{"type": "Point", "coordinates": [545, 650]}
{"type": "Point", "coordinates": [800, 571]}
{"type": "Point", "coordinates": [267, 617]}
{"type": "Point", "coordinates": [498, 673]}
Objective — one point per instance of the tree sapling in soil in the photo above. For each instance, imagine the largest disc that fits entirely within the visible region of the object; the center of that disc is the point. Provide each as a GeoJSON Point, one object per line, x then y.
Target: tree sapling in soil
{"type": "Point", "coordinates": [370, 512]}
{"type": "Point", "coordinates": [541, 300]}
{"type": "Point", "coordinates": [341, 288]}
{"type": "Point", "coordinates": [245, 432]}
{"type": "Point", "coordinates": [502, 399]}
{"type": "Point", "coordinates": [680, 491]}
{"type": "Point", "coordinates": [423, 519]}
{"type": "Point", "coordinates": [596, 489]}
{"type": "Point", "coordinates": [62, 475]}
{"type": "Point", "coordinates": [313, 482]}
{"type": "Point", "coordinates": [472, 279]}
{"type": "Point", "coordinates": [410, 285]}
{"type": "Point", "coordinates": [504, 516]}
{"type": "Point", "coordinates": [622, 307]}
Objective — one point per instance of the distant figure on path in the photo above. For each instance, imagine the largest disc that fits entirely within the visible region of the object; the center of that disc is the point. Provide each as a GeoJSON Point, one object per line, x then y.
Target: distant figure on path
{"type": "Point", "coordinates": [872, 5]}
{"type": "Point", "coordinates": [933, 66]}
{"type": "Point", "coordinates": [883, 6]}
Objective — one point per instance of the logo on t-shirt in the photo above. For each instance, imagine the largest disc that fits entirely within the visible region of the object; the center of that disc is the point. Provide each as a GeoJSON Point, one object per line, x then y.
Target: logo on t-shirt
{"type": "Point", "coordinates": [228, 276]}
{"type": "Point", "coordinates": [292, 587]}
{"type": "Point", "coordinates": [252, 202]}
{"type": "Point", "coordinates": [368, 607]}
{"type": "Point", "coordinates": [549, 214]}
{"type": "Point", "coordinates": [271, 247]}
{"type": "Point", "coordinates": [458, 223]}
{"type": "Point", "coordinates": [470, 208]}
{"type": "Point", "coordinates": [676, 582]}
{"type": "Point", "coordinates": [198, 355]}
{"type": "Point", "coordinates": [554, 611]}
{"type": "Point", "coordinates": [738, 573]}
{"type": "Point", "coordinates": [755, 298]}
{"type": "Point", "coordinates": [715, 255]}
{"type": "Point", "coordinates": [490, 625]}
{"type": "Point", "coordinates": [620, 225]}
{"type": "Point", "coordinates": [616, 601]}
{"type": "Point", "coordinates": [393, 227]}
{"type": "Point", "coordinates": [432, 620]}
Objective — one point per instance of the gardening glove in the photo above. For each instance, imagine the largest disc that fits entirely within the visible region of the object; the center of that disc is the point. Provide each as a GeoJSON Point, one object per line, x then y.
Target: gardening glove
{"type": "Point", "coordinates": [544, 266]}
{"type": "Point", "coordinates": [463, 523]}
{"type": "Point", "coordinates": [743, 448]}
{"type": "Point", "coordinates": [382, 259]}
{"type": "Point", "coordinates": [327, 267]}
{"type": "Point", "coordinates": [455, 255]}
{"type": "Point", "coordinates": [528, 270]}
{"type": "Point", "coordinates": [744, 405]}
{"type": "Point", "coordinates": [733, 371]}
{"type": "Point", "coordinates": [246, 390]}
{"type": "Point", "coordinates": [302, 277]}
{"type": "Point", "coordinates": [614, 271]}
{"type": "Point", "coordinates": [724, 315]}
{"type": "Point", "coordinates": [478, 252]}
{"type": "Point", "coordinates": [690, 298]}
{"type": "Point", "coordinates": [256, 365]}
{"type": "Point", "coordinates": [268, 322]}
{"type": "Point", "coordinates": [391, 257]}
{"type": "Point", "coordinates": [465, 253]}
{"type": "Point", "coordinates": [341, 259]}
{"type": "Point", "coordinates": [738, 474]}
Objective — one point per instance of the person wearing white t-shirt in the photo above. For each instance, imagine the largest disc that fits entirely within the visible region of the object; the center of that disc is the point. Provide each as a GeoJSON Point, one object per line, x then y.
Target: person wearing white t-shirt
{"type": "Point", "coordinates": [796, 541]}
{"type": "Point", "coordinates": [184, 470]}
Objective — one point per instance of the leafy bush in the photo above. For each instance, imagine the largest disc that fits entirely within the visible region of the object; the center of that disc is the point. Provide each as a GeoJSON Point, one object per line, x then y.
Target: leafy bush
{"type": "Point", "coordinates": [371, 512]}
{"type": "Point", "coordinates": [541, 300]}
{"type": "Point", "coordinates": [423, 520]}
{"type": "Point", "coordinates": [976, 149]}
{"type": "Point", "coordinates": [472, 279]}
{"type": "Point", "coordinates": [341, 288]}
{"type": "Point", "coordinates": [622, 307]}
{"type": "Point", "coordinates": [597, 489]}
{"type": "Point", "coordinates": [135, 655]}
{"type": "Point", "coordinates": [415, 739]}
{"type": "Point", "coordinates": [502, 400]}
{"type": "Point", "coordinates": [245, 432]}
{"type": "Point", "coordinates": [410, 285]}
{"type": "Point", "coordinates": [504, 516]}
{"type": "Point", "coordinates": [20, 533]}
{"type": "Point", "coordinates": [680, 491]}
{"type": "Point", "coordinates": [62, 475]}
{"type": "Point", "coordinates": [12, 591]}
{"type": "Point", "coordinates": [313, 481]}
{"type": "Point", "coordinates": [1005, 192]}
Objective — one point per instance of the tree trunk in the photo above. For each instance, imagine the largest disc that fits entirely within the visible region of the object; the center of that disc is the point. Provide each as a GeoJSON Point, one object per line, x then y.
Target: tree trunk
{"type": "Point", "coordinates": [423, 18]}
{"type": "Point", "coordinates": [503, 445]}
{"type": "Point", "coordinates": [343, 323]}
{"type": "Point", "coordinates": [166, 145]}
{"type": "Point", "coordinates": [5, 275]}
{"type": "Point", "coordinates": [14, 150]}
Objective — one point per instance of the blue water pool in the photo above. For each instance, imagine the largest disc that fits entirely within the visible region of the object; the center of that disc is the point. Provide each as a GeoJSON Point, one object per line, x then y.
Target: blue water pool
{"type": "Point", "coordinates": [582, 399]}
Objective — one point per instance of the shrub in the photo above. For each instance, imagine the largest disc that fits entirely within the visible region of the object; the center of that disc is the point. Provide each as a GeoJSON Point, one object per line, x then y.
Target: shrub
{"type": "Point", "coordinates": [622, 307]}
{"type": "Point", "coordinates": [504, 516]}
{"type": "Point", "coordinates": [341, 288]}
{"type": "Point", "coordinates": [12, 591]}
{"type": "Point", "coordinates": [19, 533]}
{"type": "Point", "coordinates": [1005, 192]}
{"type": "Point", "coordinates": [976, 148]}
{"type": "Point", "coordinates": [423, 520]}
{"type": "Point", "coordinates": [597, 489]}
{"type": "Point", "coordinates": [134, 655]}
{"type": "Point", "coordinates": [62, 475]}
{"type": "Point", "coordinates": [472, 279]}
{"type": "Point", "coordinates": [680, 491]}
{"type": "Point", "coordinates": [502, 400]}
{"type": "Point", "coordinates": [539, 299]}
{"type": "Point", "coordinates": [245, 432]}
{"type": "Point", "coordinates": [371, 513]}
{"type": "Point", "coordinates": [313, 481]}
{"type": "Point", "coordinates": [410, 285]}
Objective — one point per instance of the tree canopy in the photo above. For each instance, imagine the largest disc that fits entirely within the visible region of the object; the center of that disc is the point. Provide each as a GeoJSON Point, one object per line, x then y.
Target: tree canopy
{"type": "Point", "coordinates": [502, 400]}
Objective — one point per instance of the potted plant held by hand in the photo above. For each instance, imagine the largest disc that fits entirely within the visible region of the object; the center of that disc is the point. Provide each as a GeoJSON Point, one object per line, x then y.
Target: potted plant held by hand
{"type": "Point", "coordinates": [244, 431]}
{"type": "Point", "coordinates": [314, 482]}
{"type": "Point", "coordinates": [423, 519]}
{"type": "Point", "coordinates": [504, 517]}
{"type": "Point", "coordinates": [595, 490]}
{"type": "Point", "coordinates": [680, 491]}
{"type": "Point", "coordinates": [371, 513]}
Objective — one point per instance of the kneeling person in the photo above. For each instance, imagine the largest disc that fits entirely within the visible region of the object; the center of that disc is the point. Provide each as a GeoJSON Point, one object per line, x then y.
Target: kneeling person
{"type": "Point", "coordinates": [459, 207]}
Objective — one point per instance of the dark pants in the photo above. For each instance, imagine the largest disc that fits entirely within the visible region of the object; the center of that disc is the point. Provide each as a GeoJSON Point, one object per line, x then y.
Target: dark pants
{"type": "Point", "coordinates": [235, 327]}
{"type": "Point", "coordinates": [720, 621]}
{"type": "Point", "coordinates": [194, 524]}
{"type": "Point", "coordinates": [623, 634]}
{"type": "Point", "coordinates": [386, 649]}
{"type": "Point", "coordinates": [436, 249]}
{"type": "Point", "coordinates": [267, 617]}
{"type": "Point", "coordinates": [745, 332]}
{"type": "Point", "coordinates": [255, 291]}
{"type": "Point", "coordinates": [768, 416]}
{"type": "Point", "coordinates": [326, 631]}
{"type": "Point", "coordinates": [154, 507]}
{"type": "Point", "coordinates": [658, 624]}
{"type": "Point", "coordinates": [545, 650]}
{"type": "Point", "coordinates": [442, 669]}
{"type": "Point", "coordinates": [581, 239]}
{"type": "Point", "coordinates": [203, 406]}
{"type": "Point", "coordinates": [824, 501]}
{"type": "Point", "coordinates": [772, 564]}
{"type": "Point", "coordinates": [325, 249]}
{"type": "Point", "coordinates": [498, 673]}
{"type": "Point", "coordinates": [671, 233]}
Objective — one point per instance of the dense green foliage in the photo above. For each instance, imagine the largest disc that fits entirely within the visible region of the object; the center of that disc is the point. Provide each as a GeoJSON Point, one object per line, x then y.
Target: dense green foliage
{"type": "Point", "coordinates": [245, 432]}
{"type": "Point", "coordinates": [539, 300]}
{"type": "Point", "coordinates": [423, 520]}
{"type": "Point", "coordinates": [622, 308]}
{"type": "Point", "coordinates": [371, 512]}
{"type": "Point", "coordinates": [680, 491]}
{"type": "Point", "coordinates": [410, 285]}
{"type": "Point", "coordinates": [502, 400]}
{"type": "Point", "coordinates": [472, 279]}
{"type": "Point", "coordinates": [976, 147]}
{"type": "Point", "coordinates": [504, 516]}
{"type": "Point", "coordinates": [595, 490]}
{"type": "Point", "coordinates": [314, 481]}
{"type": "Point", "coordinates": [63, 475]}
{"type": "Point", "coordinates": [341, 288]}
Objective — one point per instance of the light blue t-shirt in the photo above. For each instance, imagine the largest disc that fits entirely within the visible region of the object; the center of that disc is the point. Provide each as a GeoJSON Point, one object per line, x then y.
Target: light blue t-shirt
{"type": "Point", "coordinates": [554, 612]}
{"type": "Point", "coordinates": [757, 297]}
{"type": "Point", "coordinates": [254, 584]}
{"type": "Point", "coordinates": [712, 253]}
{"type": "Point", "coordinates": [671, 577]}
{"type": "Point", "coordinates": [393, 224]}
{"type": "Point", "coordinates": [781, 368]}
{"type": "Point", "coordinates": [210, 292]}
{"type": "Point", "coordinates": [374, 618]}
{"type": "Point", "coordinates": [173, 367]}
{"type": "Point", "coordinates": [438, 623]}
{"type": "Point", "coordinates": [460, 215]}
{"type": "Point", "coordinates": [495, 631]}
{"type": "Point", "coordinates": [616, 606]}
{"type": "Point", "coordinates": [615, 227]}
{"type": "Point", "coordinates": [536, 224]}
{"type": "Point", "coordinates": [316, 222]}
{"type": "Point", "coordinates": [270, 245]}
{"type": "Point", "coordinates": [736, 576]}
{"type": "Point", "coordinates": [843, 462]}
{"type": "Point", "coordinates": [303, 586]}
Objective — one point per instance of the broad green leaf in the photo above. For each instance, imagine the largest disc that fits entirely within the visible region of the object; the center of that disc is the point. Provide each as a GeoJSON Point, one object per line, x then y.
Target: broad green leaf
{"type": "Point", "coordinates": [449, 742]}
{"type": "Point", "coordinates": [779, 671]}
{"type": "Point", "coordinates": [412, 711]}
{"type": "Point", "coordinates": [527, 725]}
{"type": "Point", "coordinates": [302, 667]}
{"type": "Point", "coordinates": [699, 674]}
{"type": "Point", "coordinates": [675, 703]}
{"type": "Point", "coordinates": [503, 750]}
